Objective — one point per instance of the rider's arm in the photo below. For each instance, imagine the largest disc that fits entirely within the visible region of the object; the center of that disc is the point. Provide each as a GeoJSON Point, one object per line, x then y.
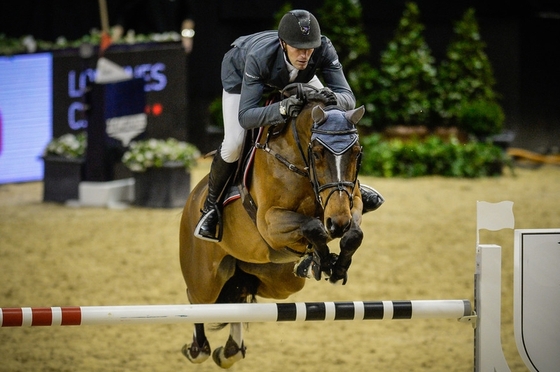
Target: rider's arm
{"type": "Point", "coordinates": [334, 78]}
{"type": "Point", "coordinates": [251, 114]}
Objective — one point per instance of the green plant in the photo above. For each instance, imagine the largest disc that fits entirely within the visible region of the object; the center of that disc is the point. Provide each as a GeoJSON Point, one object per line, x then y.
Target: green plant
{"type": "Point", "coordinates": [433, 156]}
{"type": "Point", "coordinates": [404, 90]}
{"type": "Point", "coordinates": [465, 75]}
{"type": "Point", "coordinates": [69, 145]}
{"type": "Point", "coordinates": [157, 153]}
{"type": "Point", "coordinates": [28, 44]}
{"type": "Point", "coordinates": [341, 22]}
{"type": "Point", "coordinates": [216, 112]}
{"type": "Point", "coordinates": [481, 118]}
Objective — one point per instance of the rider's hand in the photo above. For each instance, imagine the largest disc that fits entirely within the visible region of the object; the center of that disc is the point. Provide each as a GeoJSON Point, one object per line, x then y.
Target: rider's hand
{"type": "Point", "coordinates": [324, 95]}
{"type": "Point", "coordinates": [291, 106]}
{"type": "Point", "coordinates": [329, 95]}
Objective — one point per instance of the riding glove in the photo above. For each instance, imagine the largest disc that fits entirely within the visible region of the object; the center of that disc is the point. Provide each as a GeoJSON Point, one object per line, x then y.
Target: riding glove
{"type": "Point", "coordinates": [324, 95]}
{"type": "Point", "coordinates": [291, 106]}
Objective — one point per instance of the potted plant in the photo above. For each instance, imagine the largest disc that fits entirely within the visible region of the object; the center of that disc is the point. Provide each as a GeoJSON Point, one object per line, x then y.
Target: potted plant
{"type": "Point", "coordinates": [161, 171]}
{"type": "Point", "coordinates": [64, 159]}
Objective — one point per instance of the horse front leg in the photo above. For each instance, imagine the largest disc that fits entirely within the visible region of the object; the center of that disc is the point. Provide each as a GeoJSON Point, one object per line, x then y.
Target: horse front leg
{"type": "Point", "coordinates": [285, 228]}
{"type": "Point", "coordinates": [199, 350]}
{"type": "Point", "coordinates": [318, 260]}
{"type": "Point", "coordinates": [349, 243]}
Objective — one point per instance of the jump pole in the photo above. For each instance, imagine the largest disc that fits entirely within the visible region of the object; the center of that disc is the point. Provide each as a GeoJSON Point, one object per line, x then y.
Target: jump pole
{"type": "Point", "coordinates": [235, 313]}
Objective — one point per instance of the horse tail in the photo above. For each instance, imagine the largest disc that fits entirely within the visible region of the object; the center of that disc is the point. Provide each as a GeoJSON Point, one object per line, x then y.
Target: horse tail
{"type": "Point", "coordinates": [240, 288]}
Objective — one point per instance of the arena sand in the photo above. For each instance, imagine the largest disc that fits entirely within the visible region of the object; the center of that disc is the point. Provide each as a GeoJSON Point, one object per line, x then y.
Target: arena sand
{"type": "Point", "coordinates": [419, 245]}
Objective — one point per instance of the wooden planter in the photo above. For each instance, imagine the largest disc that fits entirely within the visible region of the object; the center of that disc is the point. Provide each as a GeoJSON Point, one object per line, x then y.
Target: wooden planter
{"type": "Point", "coordinates": [62, 177]}
{"type": "Point", "coordinates": [166, 187]}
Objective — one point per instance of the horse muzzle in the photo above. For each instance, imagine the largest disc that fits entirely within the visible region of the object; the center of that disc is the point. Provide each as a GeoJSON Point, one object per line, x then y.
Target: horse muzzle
{"type": "Point", "coordinates": [337, 226]}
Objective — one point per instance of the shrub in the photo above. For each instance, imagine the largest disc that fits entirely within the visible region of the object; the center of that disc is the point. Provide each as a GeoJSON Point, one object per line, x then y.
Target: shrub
{"type": "Point", "coordinates": [466, 77]}
{"type": "Point", "coordinates": [404, 90]}
{"type": "Point", "coordinates": [433, 156]}
{"type": "Point", "coordinates": [481, 118]}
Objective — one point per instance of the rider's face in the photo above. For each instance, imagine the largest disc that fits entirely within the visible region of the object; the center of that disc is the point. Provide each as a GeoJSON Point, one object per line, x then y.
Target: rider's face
{"type": "Point", "coordinates": [299, 58]}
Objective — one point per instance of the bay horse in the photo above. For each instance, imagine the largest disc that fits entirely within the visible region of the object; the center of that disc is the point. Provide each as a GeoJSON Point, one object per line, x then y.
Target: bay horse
{"type": "Point", "coordinates": [302, 183]}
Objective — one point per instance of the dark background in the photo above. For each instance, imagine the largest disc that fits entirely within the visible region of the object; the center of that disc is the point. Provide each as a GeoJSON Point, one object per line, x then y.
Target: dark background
{"type": "Point", "coordinates": [522, 44]}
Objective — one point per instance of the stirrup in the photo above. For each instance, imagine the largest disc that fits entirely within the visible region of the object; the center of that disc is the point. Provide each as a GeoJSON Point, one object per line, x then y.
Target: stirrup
{"type": "Point", "coordinates": [197, 229]}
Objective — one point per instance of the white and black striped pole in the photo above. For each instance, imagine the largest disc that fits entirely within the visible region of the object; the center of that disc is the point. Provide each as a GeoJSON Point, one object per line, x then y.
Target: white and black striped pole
{"type": "Point", "coordinates": [234, 313]}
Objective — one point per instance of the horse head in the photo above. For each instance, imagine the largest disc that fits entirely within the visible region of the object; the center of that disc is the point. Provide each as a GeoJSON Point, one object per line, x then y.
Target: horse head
{"type": "Point", "coordinates": [334, 154]}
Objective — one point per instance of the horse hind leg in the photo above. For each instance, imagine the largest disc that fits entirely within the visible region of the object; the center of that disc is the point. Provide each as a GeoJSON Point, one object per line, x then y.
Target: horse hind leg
{"type": "Point", "coordinates": [234, 349]}
{"type": "Point", "coordinates": [240, 288]}
{"type": "Point", "coordinates": [199, 350]}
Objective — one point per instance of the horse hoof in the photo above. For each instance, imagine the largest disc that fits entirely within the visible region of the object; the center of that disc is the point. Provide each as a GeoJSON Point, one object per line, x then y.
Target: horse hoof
{"type": "Point", "coordinates": [196, 354]}
{"type": "Point", "coordinates": [226, 356]}
{"type": "Point", "coordinates": [335, 279]}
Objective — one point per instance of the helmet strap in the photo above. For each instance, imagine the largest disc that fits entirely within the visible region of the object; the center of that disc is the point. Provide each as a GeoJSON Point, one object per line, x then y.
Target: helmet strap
{"type": "Point", "coordinates": [283, 46]}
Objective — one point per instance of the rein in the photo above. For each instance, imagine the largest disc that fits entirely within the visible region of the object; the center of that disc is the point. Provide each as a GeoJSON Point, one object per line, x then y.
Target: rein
{"type": "Point", "coordinates": [291, 166]}
{"type": "Point", "coordinates": [341, 186]}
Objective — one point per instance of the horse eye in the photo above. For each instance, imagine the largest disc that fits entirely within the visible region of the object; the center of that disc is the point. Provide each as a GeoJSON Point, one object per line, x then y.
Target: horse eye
{"type": "Point", "coordinates": [318, 152]}
{"type": "Point", "coordinates": [316, 155]}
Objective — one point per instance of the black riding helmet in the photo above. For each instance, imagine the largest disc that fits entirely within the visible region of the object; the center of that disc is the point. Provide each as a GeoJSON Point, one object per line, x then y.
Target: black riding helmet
{"type": "Point", "coordinates": [300, 29]}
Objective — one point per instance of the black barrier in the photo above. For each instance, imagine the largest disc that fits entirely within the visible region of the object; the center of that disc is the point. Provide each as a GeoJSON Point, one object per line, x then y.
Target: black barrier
{"type": "Point", "coordinates": [116, 116]}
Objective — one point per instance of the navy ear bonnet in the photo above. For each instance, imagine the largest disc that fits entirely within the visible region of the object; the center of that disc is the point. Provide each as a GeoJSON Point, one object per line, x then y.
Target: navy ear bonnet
{"type": "Point", "coordinates": [335, 132]}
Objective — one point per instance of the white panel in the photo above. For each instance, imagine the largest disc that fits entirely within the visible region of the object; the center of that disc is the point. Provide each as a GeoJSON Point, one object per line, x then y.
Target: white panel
{"type": "Point", "coordinates": [537, 298]}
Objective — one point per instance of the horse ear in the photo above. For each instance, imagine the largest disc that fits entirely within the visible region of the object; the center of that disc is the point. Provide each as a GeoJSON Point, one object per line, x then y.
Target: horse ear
{"type": "Point", "coordinates": [355, 115]}
{"type": "Point", "coordinates": [318, 115]}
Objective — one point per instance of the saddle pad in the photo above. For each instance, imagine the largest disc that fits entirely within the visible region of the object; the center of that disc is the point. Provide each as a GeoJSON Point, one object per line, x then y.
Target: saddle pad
{"type": "Point", "coordinates": [232, 194]}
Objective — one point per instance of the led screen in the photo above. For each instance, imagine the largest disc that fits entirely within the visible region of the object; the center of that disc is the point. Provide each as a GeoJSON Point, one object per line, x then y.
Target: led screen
{"type": "Point", "coordinates": [25, 115]}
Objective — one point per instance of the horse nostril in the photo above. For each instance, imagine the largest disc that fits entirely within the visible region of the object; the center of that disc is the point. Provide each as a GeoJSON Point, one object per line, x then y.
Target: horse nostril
{"type": "Point", "coordinates": [329, 224]}
{"type": "Point", "coordinates": [336, 230]}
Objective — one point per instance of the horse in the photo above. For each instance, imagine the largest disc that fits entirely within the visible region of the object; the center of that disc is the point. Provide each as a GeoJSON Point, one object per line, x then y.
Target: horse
{"type": "Point", "coordinates": [298, 192]}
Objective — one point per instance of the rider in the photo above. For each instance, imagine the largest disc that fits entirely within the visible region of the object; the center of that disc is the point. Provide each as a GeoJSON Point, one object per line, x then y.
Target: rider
{"type": "Point", "coordinates": [263, 62]}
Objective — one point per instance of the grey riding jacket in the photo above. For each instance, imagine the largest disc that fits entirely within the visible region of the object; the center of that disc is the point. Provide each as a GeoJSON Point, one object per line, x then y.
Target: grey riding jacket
{"type": "Point", "coordinates": [256, 64]}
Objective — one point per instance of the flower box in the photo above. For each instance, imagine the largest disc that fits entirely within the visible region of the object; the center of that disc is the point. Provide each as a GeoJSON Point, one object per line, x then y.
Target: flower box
{"type": "Point", "coordinates": [64, 167]}
{"type": "Point", "coordinates": [62, 177]}
{"type": "Point", "coordinates": [165, 187]}
{"type": "Point", "coordinates": [161, 171]}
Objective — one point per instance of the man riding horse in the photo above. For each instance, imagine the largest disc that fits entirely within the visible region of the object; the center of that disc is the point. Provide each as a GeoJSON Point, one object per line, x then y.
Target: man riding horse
{"type": "Point", "coordinates": [264, 62]}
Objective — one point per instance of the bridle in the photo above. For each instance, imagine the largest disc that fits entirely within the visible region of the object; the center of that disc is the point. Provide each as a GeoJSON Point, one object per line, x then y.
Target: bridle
{"type": "Point", "coordinates": [340, 185]}
{"type": "Point", "coordinates": [310, 168]}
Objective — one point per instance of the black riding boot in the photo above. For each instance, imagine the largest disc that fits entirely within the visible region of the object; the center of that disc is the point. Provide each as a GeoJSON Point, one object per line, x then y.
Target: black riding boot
{"type": "Point", "coordinates": [220, 171]}
{"type": "Point", "coordinates": [370, 198]}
